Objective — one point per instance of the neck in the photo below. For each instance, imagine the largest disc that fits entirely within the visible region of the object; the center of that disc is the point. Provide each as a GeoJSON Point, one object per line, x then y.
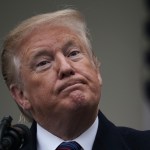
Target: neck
{"type": "Point", "coordinates": [71, 126]}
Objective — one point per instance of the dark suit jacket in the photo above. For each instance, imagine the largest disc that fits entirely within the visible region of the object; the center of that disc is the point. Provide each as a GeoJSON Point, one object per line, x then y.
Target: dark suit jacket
{"type": "Point", "coordinates": [109, 137]}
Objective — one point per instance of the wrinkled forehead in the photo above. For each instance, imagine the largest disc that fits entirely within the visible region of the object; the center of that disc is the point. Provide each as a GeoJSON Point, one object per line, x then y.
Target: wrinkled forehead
{"type": "Point", "coordinates": [56, 34]}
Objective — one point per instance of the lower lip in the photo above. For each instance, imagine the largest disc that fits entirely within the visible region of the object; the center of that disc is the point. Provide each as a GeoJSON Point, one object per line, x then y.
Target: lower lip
{"type": "Point", "coordinates": [73, 87]}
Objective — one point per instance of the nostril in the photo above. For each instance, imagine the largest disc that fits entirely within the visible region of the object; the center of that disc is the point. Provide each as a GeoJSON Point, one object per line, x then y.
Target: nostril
{"type": "Point", "coordinates": [66, 73]}
{"type": "Point", "coordinates": [72, 72]}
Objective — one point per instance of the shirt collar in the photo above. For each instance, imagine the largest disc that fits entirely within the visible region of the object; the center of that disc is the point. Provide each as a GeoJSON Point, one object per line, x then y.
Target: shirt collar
{"type": "Point", "coordinates": [47, 141]}
{"type": "Point", "coordinates": [87, 138]}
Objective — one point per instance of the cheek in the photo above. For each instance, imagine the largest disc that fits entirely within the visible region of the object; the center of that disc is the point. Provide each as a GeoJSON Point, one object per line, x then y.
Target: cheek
{"type": "Point", "coordinates": [89, 70]}
{"type": "Point", "coordinates": [93, 76]}
{"type": "Point", "coordinates": [40, 94]}
{"type": "Point", "coordinates": [38, 85]}
{"type": "Point", "coordinates": [33, 79]}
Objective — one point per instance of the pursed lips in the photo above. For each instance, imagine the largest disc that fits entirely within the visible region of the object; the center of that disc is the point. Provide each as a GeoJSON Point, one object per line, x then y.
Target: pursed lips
{"type": "Point", "coordinates": [70, 85]}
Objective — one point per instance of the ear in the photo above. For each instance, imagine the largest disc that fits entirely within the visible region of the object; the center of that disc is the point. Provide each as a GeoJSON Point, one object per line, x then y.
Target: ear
{"type": "Point", "coordinates": [19, 96]}
{"type": "Point", "coordinates": [100, 79]}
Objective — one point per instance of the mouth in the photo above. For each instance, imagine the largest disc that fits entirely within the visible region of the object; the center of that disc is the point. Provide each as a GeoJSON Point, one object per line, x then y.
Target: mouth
{"type": "Point", "coordinates": [71, 85]}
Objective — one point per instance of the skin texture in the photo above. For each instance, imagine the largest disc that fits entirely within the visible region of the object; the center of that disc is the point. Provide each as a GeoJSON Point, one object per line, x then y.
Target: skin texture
{"type": "Point", "coordinates": [60, 83]}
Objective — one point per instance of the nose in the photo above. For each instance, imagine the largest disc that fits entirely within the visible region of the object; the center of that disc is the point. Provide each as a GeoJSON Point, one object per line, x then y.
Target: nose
{"type": "Point", "coordinates": [65, 68]}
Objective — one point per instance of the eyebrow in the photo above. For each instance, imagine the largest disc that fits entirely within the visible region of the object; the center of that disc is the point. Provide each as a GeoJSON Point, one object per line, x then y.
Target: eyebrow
{"type": "Point", "coordinates": [41, 53]}
{"type": "Point", "coordinates": [45, 52]}
{"type": "Point", "coordinates": [68, 44]}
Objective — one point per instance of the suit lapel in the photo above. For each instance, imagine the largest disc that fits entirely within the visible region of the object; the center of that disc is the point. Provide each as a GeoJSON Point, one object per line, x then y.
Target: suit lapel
{"type": "Point", "coordinates": [32, 142]}
{"type": "Point", "coordinates": [108, 137]}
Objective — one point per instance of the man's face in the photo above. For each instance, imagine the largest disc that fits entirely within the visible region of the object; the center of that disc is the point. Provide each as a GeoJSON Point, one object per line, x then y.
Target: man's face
{"type": "Point", "coordinates": [58, 74]}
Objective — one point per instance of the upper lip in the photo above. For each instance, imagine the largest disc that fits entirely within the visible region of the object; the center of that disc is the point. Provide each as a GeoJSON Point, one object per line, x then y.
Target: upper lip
{"type": "Point", "coordinates": [70, 83]}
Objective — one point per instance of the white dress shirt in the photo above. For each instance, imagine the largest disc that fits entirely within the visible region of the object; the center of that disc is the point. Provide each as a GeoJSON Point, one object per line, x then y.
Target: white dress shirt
{"type": "Point", "coordinates": [48, 141]}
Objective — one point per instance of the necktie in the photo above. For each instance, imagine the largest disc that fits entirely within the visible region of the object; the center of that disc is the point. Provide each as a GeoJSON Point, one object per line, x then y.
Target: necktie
{"type": "Point", "coordinates": [69, 146]}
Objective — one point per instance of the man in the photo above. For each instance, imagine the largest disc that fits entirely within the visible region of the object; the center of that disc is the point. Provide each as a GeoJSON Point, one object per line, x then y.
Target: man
{"type": "Point", "coordinates": [53, 75]}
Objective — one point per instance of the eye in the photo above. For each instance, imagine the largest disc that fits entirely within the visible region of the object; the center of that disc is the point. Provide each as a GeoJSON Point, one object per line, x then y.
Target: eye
{"type": "Point", "coordinates": [74, 54]}
{"type": "Point", "coordinates": [42, 65]}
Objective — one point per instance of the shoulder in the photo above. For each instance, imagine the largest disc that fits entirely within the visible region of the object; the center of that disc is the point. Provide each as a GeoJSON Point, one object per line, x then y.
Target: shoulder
{"type": "Point", "coordinates": [120, 138]}
{"type": "Point", "coordinates": [135, 138]}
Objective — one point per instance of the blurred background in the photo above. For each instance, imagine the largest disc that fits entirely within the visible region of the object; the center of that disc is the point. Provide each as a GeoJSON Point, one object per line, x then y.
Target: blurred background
{"type": "Point", "coordinates": [118, 40]}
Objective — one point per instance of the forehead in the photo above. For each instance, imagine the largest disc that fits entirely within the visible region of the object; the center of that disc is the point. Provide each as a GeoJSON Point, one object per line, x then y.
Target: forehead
{"type": "Point", "coordinates": [48, 35]}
